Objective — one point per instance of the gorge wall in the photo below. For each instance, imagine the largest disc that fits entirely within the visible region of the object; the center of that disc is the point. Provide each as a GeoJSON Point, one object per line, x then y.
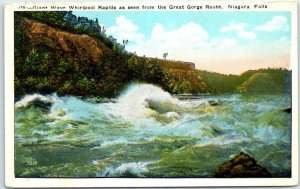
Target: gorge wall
{"type": "Point", "coordinates": [54, 59]}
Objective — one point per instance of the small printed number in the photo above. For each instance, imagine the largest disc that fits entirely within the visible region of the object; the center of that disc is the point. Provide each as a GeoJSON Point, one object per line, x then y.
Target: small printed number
{"type": "Point", "coordinates": [32, 163]}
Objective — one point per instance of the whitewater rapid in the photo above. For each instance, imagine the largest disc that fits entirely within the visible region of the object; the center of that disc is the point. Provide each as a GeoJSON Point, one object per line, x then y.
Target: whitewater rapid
{"type": "Point", "coordinates": [120, 133]}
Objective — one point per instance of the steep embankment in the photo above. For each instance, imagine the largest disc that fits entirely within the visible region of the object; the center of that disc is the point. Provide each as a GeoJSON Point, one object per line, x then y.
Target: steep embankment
{"type": "Point", "coordinates": [70, 45]}
{"type": "Point", "coordinates": [52, 59]}
{"type": "Point", "coordinates": [49, 59]}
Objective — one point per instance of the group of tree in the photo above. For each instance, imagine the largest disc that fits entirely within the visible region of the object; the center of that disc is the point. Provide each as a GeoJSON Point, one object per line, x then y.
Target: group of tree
{"type": "Point", "coordinates": [44, 69]}
{"type": "Point", "coordinates": [252, 81]}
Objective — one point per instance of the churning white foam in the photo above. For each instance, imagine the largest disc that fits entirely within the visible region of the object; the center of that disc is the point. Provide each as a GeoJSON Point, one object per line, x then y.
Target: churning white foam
{"type": "Point", "coordinates": [142, 99]}
{"type": "Point", "coordinates": [133, 168]}
{"type": "Point", "coordinates": [113, 142]}
{"type": "Point", "coordinates": [135, 100]}
{"type": "Point", "coordinates": [270, 134]}
{"type": "Point", "coordinates": [27, 99]}
{"type": "Point", "coordinates": [147, 109]}
{"type": "Point", "coordinates": [72, 108]}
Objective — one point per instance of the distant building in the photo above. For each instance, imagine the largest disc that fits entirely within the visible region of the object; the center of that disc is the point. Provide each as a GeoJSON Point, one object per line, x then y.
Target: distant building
{"type": "Point", "coordinates": [191, 64]}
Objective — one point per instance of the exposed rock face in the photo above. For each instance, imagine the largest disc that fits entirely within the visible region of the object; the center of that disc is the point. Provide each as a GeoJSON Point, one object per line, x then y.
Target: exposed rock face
{"type": "Point", "coordinates": [191, 65]}
{"type": "Point", "coordinates": [242, 165]}
{"type": "Point", "coordinates": [88, 65]}
{"type": "Point", "coordinates": [71, 45]}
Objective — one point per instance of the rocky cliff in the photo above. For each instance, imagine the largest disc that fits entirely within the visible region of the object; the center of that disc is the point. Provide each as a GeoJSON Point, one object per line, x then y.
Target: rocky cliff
{"type": "Point", "coordinates": [69, 44]}
{"type": "Point", "coordinates": [59, 58]}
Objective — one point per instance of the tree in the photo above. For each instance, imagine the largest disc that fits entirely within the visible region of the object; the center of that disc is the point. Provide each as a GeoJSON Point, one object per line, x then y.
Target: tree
{"type": "Point", "coordinates": [125, 42]}
{"type": "Point", "coordinates": [165, 56]}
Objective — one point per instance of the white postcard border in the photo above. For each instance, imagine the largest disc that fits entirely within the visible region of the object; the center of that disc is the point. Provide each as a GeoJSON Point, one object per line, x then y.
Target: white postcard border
{"type": "Point", "coordinates": [10, 179]}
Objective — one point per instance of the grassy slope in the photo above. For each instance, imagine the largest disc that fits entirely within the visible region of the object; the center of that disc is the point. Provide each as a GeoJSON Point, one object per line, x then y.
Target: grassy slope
{"type": "Point", "coordinates": [252, 81]}
{"type": "Point", "coordinates": [266, 81]}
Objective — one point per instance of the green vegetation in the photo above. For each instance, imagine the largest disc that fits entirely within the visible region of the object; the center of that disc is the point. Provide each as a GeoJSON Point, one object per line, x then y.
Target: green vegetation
{"type": "Point", "coordinates": [51, 18]}
{"type": "Point", "coordinates": [181, 78]}
{"type": "Point", "coordinates": [220, 83]}
{"type": "Point", "coordinates": [55, 19]}
{"type": "Point", "coordinates": [266, 81]}
{"type": "Point", "coordinates": [42, 68]}
{"type": "Point", "coordinates": [45, 70]}
{"type": "Point", "coordinates": [252, 81]}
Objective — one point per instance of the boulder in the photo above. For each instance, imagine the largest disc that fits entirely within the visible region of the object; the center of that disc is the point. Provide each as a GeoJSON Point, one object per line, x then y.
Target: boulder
{"type": "Point", "coordinates": [242, 166]}
{"type": "Point", "coordinates": [40, 104]}
{"type": "Point", "coordinates": [288, 110]}
{"type": "Point", "coordinates": [213, 103]}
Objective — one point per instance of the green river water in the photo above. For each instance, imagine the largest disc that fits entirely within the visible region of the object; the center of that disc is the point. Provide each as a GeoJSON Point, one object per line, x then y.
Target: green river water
{"type": "Point", "coordinates": [146, 132]}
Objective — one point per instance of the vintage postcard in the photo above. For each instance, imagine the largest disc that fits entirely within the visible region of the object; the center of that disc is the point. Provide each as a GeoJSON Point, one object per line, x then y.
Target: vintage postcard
{"type": "Point", "coordinates": [151, 94]}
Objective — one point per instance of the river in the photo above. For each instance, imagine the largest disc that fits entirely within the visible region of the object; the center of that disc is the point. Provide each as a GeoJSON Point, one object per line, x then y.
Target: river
{"type": "Point", "coordinates": [146, 132]}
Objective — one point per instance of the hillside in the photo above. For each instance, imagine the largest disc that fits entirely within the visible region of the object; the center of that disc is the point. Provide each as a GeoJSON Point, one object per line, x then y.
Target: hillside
{"type": "Point", "coordinates": [220, 83]}
{"type": "Point", "coordinates": [76, 57]}
{"type": "Point", "coordinates": [51, 56]}
{"type": "Point", "coordinates": [252, 81]}
{"type": "Point", "coordinates": [265, 81]}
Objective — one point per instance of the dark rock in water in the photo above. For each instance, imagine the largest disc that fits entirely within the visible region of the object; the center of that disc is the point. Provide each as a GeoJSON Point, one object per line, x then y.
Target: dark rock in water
{"type": "Point", "coordinates": [40, 104]}
{"type": "Point", "coordinates": [213, 103]}
{"type": "Point", "coordinates": [216, 130]}
{"type": "Point", "coordinates": [242, 166]}
{"type": "Point", "coordinates": [288, 110]}
{"type": "Point", "coordinates": [187, 97]}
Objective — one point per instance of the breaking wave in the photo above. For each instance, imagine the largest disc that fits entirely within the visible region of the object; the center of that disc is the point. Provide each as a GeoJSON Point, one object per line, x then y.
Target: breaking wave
{"type": "Point", "coordinates": [27, 99]}
{"type": "Point", "coordinates": [145, 123]}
